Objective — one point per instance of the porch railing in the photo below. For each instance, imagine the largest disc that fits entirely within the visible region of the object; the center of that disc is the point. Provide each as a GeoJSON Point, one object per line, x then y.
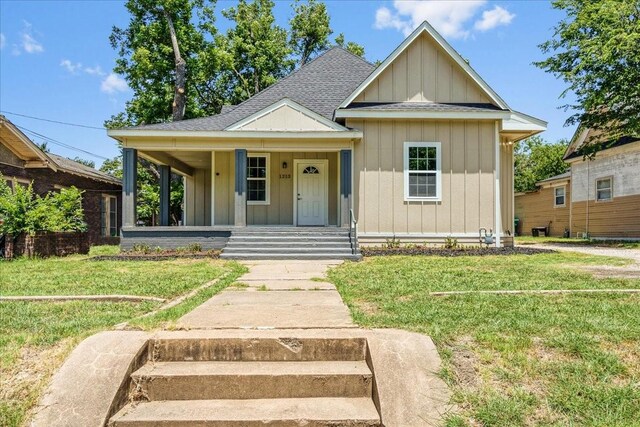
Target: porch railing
{"type": "Point", "coordinates": [353, 232]}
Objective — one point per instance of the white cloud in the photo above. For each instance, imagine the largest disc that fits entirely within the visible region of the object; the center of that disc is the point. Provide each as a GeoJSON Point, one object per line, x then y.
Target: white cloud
{"type": "Point", "coordinates": [29, 43]}
{"type": "Point", "coordinates": [113, 83]}
{"type": "Point", "coordinates": [95, 71]}
{"type": "Point", "coordinates": [70, 66]}
{"type": "Point", "coordinates": [451, 18]}
{"type": "Point", "coordinates": [494, 18]}
{"type": "Point", "coordinates": [3, 41]}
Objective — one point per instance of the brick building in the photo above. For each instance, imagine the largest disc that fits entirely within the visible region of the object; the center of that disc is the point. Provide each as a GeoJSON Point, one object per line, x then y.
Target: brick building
{"type": "Point", "coordinates": [22, 161]}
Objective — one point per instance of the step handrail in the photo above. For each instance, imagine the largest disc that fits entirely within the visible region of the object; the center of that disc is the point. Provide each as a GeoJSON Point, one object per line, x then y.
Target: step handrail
{"type": "Point", "coordinates": [353, 232]}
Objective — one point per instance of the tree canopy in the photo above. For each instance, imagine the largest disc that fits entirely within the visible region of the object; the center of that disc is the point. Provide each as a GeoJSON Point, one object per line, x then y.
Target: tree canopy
{"type": "Point", "coordinates": [536, 160]}
{"type": "Point", "coordinates": [310, 30]}
{"type": "Point", "coordinates": [596, 51]}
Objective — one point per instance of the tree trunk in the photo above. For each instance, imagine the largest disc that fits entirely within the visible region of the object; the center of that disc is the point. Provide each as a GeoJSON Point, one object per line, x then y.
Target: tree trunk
{"type": "Point", "coordinates": [180, 96]}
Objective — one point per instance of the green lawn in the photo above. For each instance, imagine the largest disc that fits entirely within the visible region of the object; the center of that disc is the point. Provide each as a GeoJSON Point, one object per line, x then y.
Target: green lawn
{"type": "Point", "coordinates": [513, 360]}
{"type": "Point", "coordinates": [35, 337]}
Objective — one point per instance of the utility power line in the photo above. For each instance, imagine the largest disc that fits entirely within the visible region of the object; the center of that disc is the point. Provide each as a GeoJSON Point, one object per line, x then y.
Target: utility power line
{"type": "Point", "coordinates": [54, 121]}
{"type": "Point", "coordinates": [62, 144]}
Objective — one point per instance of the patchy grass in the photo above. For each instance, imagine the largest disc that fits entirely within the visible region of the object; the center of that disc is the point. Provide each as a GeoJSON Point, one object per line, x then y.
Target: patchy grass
{"type": "Point", "coordinates": [35, 337]}
{"type": "Point", "coordinates": [529, 240]}
{"type": "Point", "coordinates": [513, 360]}
{"type": "Point", "coordinates": [77, 275]}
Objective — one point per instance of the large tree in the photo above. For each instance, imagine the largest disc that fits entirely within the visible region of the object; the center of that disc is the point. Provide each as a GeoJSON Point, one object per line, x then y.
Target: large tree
{"type": "Point", "coordinates": [353, 47]}
{"type": "Point", "coordinates": [536, 160]}
{"type": "Point", "coordinates": [309, 30]}
{"type": "Point", "coordinates": [161, 54]}
{"type": "Point", "coordinates": [256, 51]}
{"type": "Point", "coordinates": [596, 51]}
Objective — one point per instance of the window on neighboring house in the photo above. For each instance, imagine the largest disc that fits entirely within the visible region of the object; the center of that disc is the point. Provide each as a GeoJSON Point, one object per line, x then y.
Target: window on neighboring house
{"type": "Point", "coordinates": [604, 189]}
{"type": "Point", "coordinates": [422, 171]}
{"type": "Point", "coordinates": [559, 199]}
{"type": "Point", "coordinates": [258, 179]}
{"type": "Point", "coordinates": [109, 216]}
{"type": "Point", "coordinates": [21, 181]}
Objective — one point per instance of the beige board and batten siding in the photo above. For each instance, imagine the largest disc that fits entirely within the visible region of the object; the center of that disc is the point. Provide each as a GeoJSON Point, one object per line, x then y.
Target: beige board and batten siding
{"type": "Point", "coordinates": [197, 198]}
{"type": "Point", "coordinates": [537, 209]}
{"type": "Point", "coordinates": [468, 185]}
{"type": "Point", "coordinates": [279, 211]}
{"type": "Point", "coordinates": [423, 72]}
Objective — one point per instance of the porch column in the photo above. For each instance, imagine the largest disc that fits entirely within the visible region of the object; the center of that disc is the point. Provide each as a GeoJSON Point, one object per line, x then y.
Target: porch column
{"type": "Point", "coordinates": [165, 193]}
{"type": "Point", "coordinates": [241, 188]}
{"type": "Point", "coordinates": [345, 187]}
{"type": "Point", "coordinates": [129, 186]}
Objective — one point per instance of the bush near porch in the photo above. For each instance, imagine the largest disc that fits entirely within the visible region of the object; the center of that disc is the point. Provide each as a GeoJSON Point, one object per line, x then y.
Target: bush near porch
{"type": "Point", "coordinates": [513, 360]}
{"type": "Point", "coordinates": [36, 337]}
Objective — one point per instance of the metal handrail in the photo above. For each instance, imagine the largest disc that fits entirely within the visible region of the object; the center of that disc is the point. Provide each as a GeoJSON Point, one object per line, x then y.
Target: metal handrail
{"type": "Point", "coordinates": [353, 232]}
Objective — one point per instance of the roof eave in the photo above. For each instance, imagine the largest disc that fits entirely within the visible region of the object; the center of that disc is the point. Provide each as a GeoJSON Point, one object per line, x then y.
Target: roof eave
{"type": "Point", "coordinates": [122, 134]}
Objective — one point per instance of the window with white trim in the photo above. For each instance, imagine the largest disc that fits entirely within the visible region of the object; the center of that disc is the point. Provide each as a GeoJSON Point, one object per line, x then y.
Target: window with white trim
{"type": "Point", "coordinates": [422, 171]}
{"type": "Point", "coordinates": [109, 215]}
{"type": "Point", "coordinates": [258, 179]}
{"type": "Point", "coordinates": [559, 196]}
{"type": "Point", "coordinates": [604, 189]}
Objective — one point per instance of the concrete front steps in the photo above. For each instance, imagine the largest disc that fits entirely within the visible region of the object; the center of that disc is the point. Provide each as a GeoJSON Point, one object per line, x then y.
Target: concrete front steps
{"type": "Point", "coordinates": [290, 243]}
{"type": "Point", "coordinates": [232, 382]}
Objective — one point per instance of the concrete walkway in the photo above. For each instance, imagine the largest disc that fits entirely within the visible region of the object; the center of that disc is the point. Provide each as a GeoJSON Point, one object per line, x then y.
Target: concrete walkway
{"type": "Point", "coordinates": [275, 295]}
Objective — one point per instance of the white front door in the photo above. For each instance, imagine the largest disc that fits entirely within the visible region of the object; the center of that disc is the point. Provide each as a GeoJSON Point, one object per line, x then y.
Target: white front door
{"type": "Point", "coordinates": [311, 192]}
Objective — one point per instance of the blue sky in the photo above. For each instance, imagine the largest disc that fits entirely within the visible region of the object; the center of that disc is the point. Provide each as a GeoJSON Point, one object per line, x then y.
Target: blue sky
{"type": "Point", "coordinates": [56, 61]}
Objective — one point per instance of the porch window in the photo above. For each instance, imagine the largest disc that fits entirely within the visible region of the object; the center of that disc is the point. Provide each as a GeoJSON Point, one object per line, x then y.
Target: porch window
{"type": "Point", "coordinates": [422, 171]}
{"type": "Point", "coordinates": [604, 189]}
{"type": "Point", "coordinates": [109, 216]}
{"type": "Point", "coordinates": [559, 196]}
{"type": "Point", "coordinates": [258, 179]}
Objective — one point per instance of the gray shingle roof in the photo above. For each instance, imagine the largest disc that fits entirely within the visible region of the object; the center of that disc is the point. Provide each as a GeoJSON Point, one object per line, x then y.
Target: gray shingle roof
{"type": "Point", "coordinates": [421, 106]}
{"type": "Point", "coordinates": [557, 177]}
{"type": "Point", "coordinates": [73, 167]}
{"type": "Point", "coordinates": [321, 85]}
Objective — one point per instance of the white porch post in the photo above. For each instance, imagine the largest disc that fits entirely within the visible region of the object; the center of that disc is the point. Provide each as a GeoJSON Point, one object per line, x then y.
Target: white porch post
{"type": "Point", "coordinates": [129, 186]}
{"type": "Point", "coordinates": [498, 211]}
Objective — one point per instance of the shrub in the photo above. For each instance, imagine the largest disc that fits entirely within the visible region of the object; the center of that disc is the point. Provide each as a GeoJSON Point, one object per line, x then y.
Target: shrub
{"type": "Point", "coordinates": [23, 211]}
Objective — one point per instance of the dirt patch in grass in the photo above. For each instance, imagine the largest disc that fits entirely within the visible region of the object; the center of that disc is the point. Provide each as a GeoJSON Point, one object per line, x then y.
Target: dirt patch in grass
{"type": "Point", "coordinates": [25, 380]}
{"type": "Point", "coordinates": [613, 272]}
{"type": "Point", "coordinates": [367, 307]}
{"type": "Point", "coordinates": [465, 363]}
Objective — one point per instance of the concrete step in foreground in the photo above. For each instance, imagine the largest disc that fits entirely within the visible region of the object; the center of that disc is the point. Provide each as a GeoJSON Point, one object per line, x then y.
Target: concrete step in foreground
{"type": "Point", "coordinates": [310, 412]}
{"type": "Point", "coordinates": [253, 380]}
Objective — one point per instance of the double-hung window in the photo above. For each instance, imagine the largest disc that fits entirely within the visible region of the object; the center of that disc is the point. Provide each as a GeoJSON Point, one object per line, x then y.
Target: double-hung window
{"type": "Point", "coordinates": [422, 171]}
{"type": "Point", "coordinates": [258, 179]}
{"type": "Point", "coordinates": [559, 196]}
{"type": "Point", "coordinates": [109, 216]}
{"type": "Point", "coordinates": [604, 189]}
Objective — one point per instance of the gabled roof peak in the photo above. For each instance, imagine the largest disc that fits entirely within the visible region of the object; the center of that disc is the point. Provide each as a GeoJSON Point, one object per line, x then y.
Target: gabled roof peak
{"type": "Point", "coordinates": [423, 28]}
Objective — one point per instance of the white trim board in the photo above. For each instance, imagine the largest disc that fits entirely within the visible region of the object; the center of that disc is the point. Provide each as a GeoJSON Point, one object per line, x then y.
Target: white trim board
{"type": "Point", "coordinates": [294, 105]}
{"type": "Point", "coordinates": [425, 27]}
{"type": "Point", "coordinates": [225, 135]}
{"type": "Point", "coordinates": [416, 114]}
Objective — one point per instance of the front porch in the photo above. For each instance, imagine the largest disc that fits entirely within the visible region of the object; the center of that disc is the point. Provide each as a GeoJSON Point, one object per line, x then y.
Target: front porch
{"type": "Point", "coordinates": [244, 187]}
